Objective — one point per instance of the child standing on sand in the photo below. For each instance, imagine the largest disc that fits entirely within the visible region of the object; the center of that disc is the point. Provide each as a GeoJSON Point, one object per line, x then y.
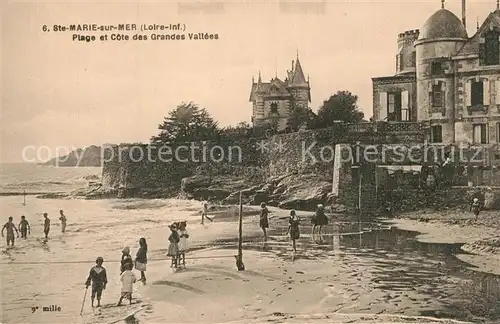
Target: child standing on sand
{"type": "Point", "coordinates": [173, 247]}
{"type": "Point", "coordinates": [475, 207]}
{"type": "Point", "coordinates": [183, 243]}
{"type": "Point", "coordinates": [128, 279]}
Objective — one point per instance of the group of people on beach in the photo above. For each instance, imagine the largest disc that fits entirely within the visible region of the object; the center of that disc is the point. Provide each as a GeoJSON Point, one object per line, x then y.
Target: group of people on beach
{"type": "Point", "coordinates": [318, 220]}
{"type": "Point", "coordinates": [178, 245]}
{"type": "Point", "coordinates": [25, 228]}
{"type": "Point", "coordinates": [98, 278]}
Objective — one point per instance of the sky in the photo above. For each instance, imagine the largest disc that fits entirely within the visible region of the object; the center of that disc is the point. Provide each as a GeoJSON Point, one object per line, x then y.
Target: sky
{"type": "Point", "coordinates": [59, 94]}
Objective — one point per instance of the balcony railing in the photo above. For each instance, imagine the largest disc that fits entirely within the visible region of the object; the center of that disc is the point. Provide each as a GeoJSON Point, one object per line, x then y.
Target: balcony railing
{"type": "Point", "coordinates": [387, 127]}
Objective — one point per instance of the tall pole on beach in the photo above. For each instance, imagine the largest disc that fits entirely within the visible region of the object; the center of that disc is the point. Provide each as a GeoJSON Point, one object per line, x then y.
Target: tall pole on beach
{"type": "Point", "coordinates": [359, 197]}
{"type": "Point", "coordinates": [239, 260]}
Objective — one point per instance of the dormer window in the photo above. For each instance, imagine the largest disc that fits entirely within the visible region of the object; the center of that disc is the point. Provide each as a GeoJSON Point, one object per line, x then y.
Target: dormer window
{"type": "Point", "coordinates": [274, 88]}
{"type": "Point", "coordinates": [490, 52]}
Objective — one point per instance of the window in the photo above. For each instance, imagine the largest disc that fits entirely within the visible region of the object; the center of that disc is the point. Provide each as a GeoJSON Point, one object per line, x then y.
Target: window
{"type": "Point", "coordinates": [413, 59]}
{"type": "Point", "coordinates": [274, 108]}
{"type": "Point", "coordinates": [491, 48]}
{"type": "Point", "coordinates": [479, 135]}
{"type": "Point", "coordinates": [391, 103]}
{"type": "Point", "coordinates": [436, 134]}
{"type": "Point", "coordinates": [394, 106]}
{"type": "Point", "coordinates": [401, 62]}
{"type": "Point", "coordinates": [437, 68]}
{"type": "Point", "coordinates": [477, 90]}
{"type": "Point", "coordinates": [437, 95]}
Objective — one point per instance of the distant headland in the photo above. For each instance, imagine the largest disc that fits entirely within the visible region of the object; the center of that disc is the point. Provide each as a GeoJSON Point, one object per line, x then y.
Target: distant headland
{"type": "Point", "coordinates": [86, 157]}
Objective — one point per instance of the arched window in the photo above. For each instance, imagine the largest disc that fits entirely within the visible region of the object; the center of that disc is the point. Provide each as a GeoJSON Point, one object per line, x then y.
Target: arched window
{"type": "Point", "coordinates": [491, 51]}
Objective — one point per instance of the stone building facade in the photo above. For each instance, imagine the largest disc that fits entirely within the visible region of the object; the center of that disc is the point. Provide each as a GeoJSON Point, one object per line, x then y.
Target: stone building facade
{"type": "Point", "coordinates": [447, 79]}
{"type": "Point", "coordinates": [272, 100]}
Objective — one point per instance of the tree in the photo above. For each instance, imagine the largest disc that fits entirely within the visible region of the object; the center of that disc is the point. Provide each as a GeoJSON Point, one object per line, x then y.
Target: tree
{"type": "Point", "coordinates": [187, 123]}
{"type": "Point", "coordinates": [299, 115]}
{"type": "Point", "coordinates": [342, 106]}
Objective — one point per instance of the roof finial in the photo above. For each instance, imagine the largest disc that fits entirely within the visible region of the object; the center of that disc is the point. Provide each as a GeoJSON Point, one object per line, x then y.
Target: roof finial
{"type": "Point", "coordinates": [297, 54]}
{"type": "Point", "coordinates": [498, 4]}
{"type": "Point", "coordinates": [260, 77]}
{"type": "Point", "coordinates": [253, 79]}
{"type": "Point", "coordinates": [477, 23]}
{"type": "Point", "coordinates": [442, 4]}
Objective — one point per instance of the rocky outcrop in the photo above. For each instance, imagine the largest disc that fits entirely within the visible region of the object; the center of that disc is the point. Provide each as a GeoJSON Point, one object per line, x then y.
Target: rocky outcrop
{"type": "Point", "coordinates": [293, 191]}
{"type": "Point", "coordinates": [484, 247]}
{"type": "Point", "coordinates": [88, 157]}
{"type": "Point", "coordinates": [214, 188]}
{"type": "Point", "coordinates": [302, 192]}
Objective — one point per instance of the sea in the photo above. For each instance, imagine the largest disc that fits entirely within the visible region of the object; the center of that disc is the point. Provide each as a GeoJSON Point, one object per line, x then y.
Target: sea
{"type": "Point", "coordinates": [43, 281]}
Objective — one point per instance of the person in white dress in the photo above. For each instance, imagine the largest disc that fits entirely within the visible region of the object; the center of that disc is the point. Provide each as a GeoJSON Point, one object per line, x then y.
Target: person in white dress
{"type": "Point", "coordinates": [204, 212]}
{"type": "Point", "coordinates": [183, 242]}
{"type": "Point", "coordinates": [128, 279]}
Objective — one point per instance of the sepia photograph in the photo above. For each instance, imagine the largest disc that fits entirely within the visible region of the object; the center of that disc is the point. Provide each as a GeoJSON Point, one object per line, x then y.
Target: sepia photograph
{"type": "Point", "coordinates": [273, 161]}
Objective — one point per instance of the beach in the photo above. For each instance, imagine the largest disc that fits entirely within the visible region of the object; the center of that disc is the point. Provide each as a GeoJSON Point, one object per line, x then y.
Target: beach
{"type": "Point", "coordinates": [358, 272]}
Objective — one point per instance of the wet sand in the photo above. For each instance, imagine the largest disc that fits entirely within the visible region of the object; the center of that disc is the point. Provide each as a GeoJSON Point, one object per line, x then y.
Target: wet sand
{"type": "Point", "coordinates": [480, 238]}
{"type": "Point", "coordinates": [324, 281]}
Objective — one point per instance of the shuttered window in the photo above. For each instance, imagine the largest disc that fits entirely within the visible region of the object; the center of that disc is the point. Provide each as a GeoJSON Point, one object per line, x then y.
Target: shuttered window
{"type": "Point", "coordinates": [405, 110]}
{"type": "Point", "coordinates": [383, 105]}
{"type": "Point", "coordinates": [479, 135]}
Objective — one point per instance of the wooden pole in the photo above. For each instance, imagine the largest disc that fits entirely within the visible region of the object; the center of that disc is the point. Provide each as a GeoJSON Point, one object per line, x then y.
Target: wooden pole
{"type": "Point", "coordinates": [240, 234]}
{"type": "Point", "coordinates": [359, 197]}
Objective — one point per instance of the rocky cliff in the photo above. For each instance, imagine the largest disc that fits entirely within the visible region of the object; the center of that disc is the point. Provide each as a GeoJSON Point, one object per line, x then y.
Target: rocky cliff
{"type": "Point", "coordinates": [87, 157]}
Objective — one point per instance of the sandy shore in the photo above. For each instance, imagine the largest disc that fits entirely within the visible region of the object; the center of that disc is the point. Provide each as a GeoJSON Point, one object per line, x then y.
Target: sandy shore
{"type": "Point", "coordinates": [481, 238]}
{"type": "Point", "coordinates": [312, 286]}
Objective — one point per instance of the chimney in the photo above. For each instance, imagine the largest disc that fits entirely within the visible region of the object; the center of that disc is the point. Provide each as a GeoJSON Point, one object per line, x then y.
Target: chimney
{"type": "Point", "coordinates": [464, 14]}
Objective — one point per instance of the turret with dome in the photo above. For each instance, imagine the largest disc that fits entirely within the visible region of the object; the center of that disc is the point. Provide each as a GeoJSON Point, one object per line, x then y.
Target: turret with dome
{"type": "Point", "coordinates": [446, 79]}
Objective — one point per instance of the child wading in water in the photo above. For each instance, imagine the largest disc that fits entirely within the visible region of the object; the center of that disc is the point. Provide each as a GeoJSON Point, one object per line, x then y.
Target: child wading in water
{"type": "Point", "coordinates": [183, 243]}
{"type": "Point", "coordinates": [141, 259]}
{"type": "Point", "coordinates": [173, 247]}
{"type": "Point", "coordinates": [128, 279]}
{"type": "Point", "coordinates": [293, 228]}
{"type": "Point", "coordinates": [99, 280]}
{"type": "Point", "coordinates": [475, 207]}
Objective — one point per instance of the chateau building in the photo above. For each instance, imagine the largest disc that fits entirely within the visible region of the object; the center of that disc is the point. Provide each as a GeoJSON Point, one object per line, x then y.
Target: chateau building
{"type": "Point", "coordinates": [272, 100]}
{"type": "Point", "coordinates": [447, 79]}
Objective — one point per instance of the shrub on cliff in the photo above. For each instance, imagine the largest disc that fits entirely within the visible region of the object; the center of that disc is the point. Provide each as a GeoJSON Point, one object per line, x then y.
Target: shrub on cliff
{"type": "Point", "coordinates": [341, 106]}
{"type": "Point", "coordinates": [187, 123]}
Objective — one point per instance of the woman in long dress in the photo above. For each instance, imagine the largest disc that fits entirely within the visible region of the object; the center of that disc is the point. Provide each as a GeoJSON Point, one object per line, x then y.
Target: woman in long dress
{"type": "Point", "coordinates": [319, 219]}
{"type": "Point", "coordinates": [264, 221]}
{"type": "Point", "coordinates": [293, 228]}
